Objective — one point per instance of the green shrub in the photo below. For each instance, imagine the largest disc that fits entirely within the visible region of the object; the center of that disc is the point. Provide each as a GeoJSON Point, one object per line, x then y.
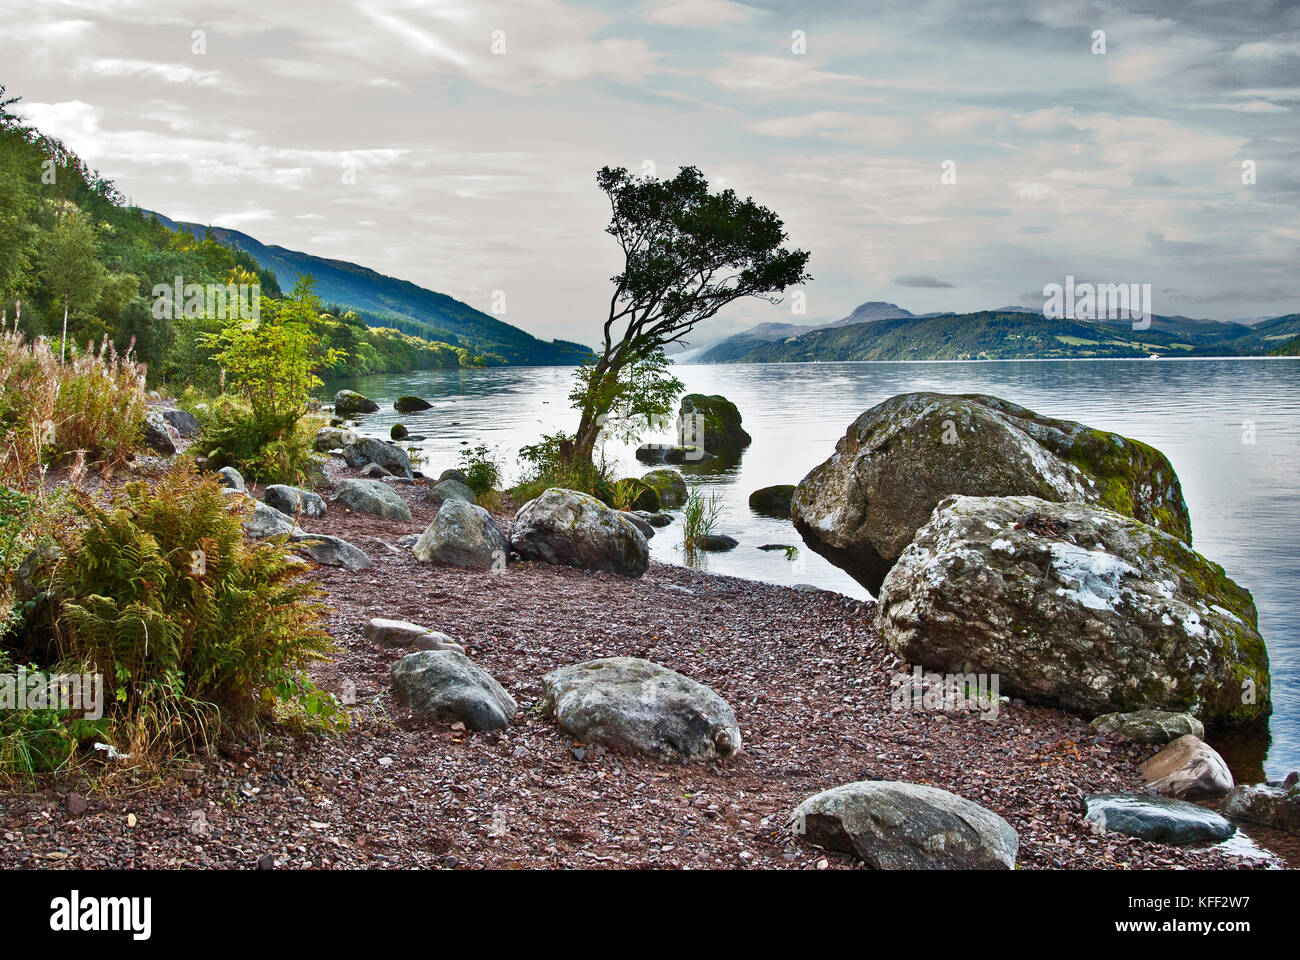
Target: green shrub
{"type": "Point", "coordinates": [196, 629]}
{"type": "Point", "coordinates": [481, 471]}
{"type": "Point", "coordinates": [263, 448]}
{"type": "Point", "coordinates": [552, 462]}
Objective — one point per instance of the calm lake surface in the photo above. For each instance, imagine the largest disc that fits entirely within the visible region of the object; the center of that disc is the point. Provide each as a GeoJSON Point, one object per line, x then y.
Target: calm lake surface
{"type": "Point", "coordinates": [1230, 427]}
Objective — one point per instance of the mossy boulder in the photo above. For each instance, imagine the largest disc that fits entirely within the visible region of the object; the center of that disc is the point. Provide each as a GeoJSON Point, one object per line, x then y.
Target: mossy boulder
{"type": "Point", "coordinates": [1078, 607]}
{"type": "Point", "coordinates": [720, 423]}
{"type": "Point", "coordinates": [669, 485]}
{"type": "Point", "coordinates": [575, 529]}
{"type": "Point", "coordinates": [772, 501]}
{"type": "Point", "coordinates": [399, 432]}
{"type": "Point", "coordinates": [409, 404]}
{"type": "Point", "coordinates": [348, 403]}
{"type": "Point", "coordinates": [861, 508]}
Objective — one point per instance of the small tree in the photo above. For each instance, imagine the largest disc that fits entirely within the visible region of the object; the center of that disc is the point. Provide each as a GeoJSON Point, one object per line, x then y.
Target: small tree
{"type": "Point", "coordinates": [70, 267]}
{"type": "Point", "coordinates": [687, 254]}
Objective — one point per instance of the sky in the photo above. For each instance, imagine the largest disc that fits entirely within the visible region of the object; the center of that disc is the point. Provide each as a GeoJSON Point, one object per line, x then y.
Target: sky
{"type": "Point", "coordinates": [938, 155]}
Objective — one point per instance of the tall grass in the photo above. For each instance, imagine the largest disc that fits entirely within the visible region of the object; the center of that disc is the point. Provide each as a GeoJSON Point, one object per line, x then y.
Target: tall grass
{"type": "Point", "coordinates": [699, 517]}
{"type": "Point", "coordinates": [90, 408]}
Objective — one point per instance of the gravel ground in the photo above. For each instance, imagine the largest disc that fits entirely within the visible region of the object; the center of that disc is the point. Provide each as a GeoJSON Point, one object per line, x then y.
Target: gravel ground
{"type": "Point", "coordinates": [805, 672]}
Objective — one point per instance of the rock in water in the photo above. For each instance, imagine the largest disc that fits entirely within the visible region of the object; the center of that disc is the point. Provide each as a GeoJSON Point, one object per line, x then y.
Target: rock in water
{"type": "Point", "coordinates": [331, 551]}
{"type": "Point", "coordinates": [772, 501]}
{"type": "Point", "coordinates": [1155, 818]}
{"type": "Point", "coordinates": [399, 432]}
{"type": "Point", "coordinates": [1275, 804]}
{"type": "Point", "coordinates": [334, 438]}
{"type": "Point", "coordinates": [449, 489]}
{"type": "Point", "coordinates": [907, 826]}
{"type": "Point", "coordinates": [669, 485]}
{"type": "Point", "coordinates": [387, 455]}
{"type": "Point", "coordinates": [1189, 768]}
{"type": "Point", "coordinates": [663, 453]}
{"type": "Point", "coordinates": [568, 527]}
{"type": "Point", "coordinates": [718, 542]}
{"type": "Point", "coordinates": [1114, 616]}
{"type": "Point", "coordinates": [445, 684]}
{"type": "Point", "coordinates": [409, 404]}
{"type": "Point", "coordinates": [722, 431]}
{"type": "Point", "coordinates": [462, 535]}
{"type": "Point", "coordinates": [641, 523]}
{"type": "Point", "coordinates": [291, 500]}
{"type": "Point", "coordinates": [373, 497]}
{"type": "Point", "coordinates": [348, 403]}
{"type": "Point", "coordinates": [1148, 726]}
{"type": "Point", "coordinates": [640, 707]}
{"type": "Point", "coordinates": [863, 506]}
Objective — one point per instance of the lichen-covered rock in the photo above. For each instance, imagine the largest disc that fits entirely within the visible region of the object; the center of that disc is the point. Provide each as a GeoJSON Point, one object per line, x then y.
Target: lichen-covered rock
{"type": "Point", "coordinates": [907, 826]}
{"type": "Point", "coordinates": [449, 489]}
{"type": "Point", "coordinates": [1275, 804]}
{"type": "Point", "coordinates": [568, 527]}
{"type": "Point", "coordinates": [462, 535]}
{"type": "Point", "coordinates": [669, 485]}
{"type": "Point", "coordinates": [640, 707]}
{"type": "Point", "coordinates": [334, 438]}
{"type": "Point", "coordinates": [445, 684]}
{"type": "Point", "coordinates": [387, 455]}
{"type": "Point", "coordinates": [641, 523]}
{"type": "Point", "coordinates": [772, 501]}
{"type": "Point", "coordinates": [1189, 768]}
{"type": "Point", "coordinates": [159, 435]}
{"type": "Point", "coordinates": [266, 521]}
{"type": "Point", "coordinates": [231, 478]}
{"type": "Point", "coordinates": [1147, 726]}
{"type": "Point", "coordinates": [1158, 819]}
{"type": "Point", "coordinates": [1077, 607]}
{"type": "Point", "coordinates": [349, 403]}
{"type": "Point", "coordinates": [409, 404]}
{"type": "Point", "coordinates": [331, 551]}
{"type": "Point", "coordinates": [373, 497]}
{"type": "Point", "coordinates": [862, 507]}
{"type": "Point", "coordinates": [294, 500]}
{"type": "Point", "coordinates": [182, 421]}
{"type": "Point", "coordinates": [721, 429]}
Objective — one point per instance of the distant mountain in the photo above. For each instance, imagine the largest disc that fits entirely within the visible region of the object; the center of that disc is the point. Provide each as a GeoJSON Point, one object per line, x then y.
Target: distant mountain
{"type": "Point", "coordinates": [871, 311]}
{"type": "Point", "coordinates": [386, 301]}
{"type": "Point", "coordinates": [1007, 334]}
{"type": "Point", "coordinates": [736, 345]}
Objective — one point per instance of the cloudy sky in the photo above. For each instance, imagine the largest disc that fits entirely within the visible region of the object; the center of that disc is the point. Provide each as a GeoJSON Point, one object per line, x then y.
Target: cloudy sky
{"type": "Point", "coordinates": [454, 143]}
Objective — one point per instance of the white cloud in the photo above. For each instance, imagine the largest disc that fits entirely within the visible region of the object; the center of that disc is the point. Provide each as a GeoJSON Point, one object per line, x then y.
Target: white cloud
{"type": "Point", "coordinates": [697, 13]}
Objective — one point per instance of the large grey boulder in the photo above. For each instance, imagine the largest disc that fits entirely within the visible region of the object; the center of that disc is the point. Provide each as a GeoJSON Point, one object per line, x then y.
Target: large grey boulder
{"type": "Point", "coordinates": [334, 438]}
{"type": "Point", "coordinates": [1147, 726]}
{"type": "Point", "coordinates": [449, 489]}
{"type": "Point", "coordinates": [668, 484]}
{"type": "Point", "coordinates": [387, 455]}
{"type": "Point", "coordinates": [640, 707]}
{"type": "Point", "coordinates": [462, 535]}
{"type": "Point", "coordinates": [231, 479]}
{"type": "Point", "coordinates": [266, 521]}
{"type": "Point", "coordinates": [1275, 804]}
{"type": "Point", "coordinates": [373, 497]}
{"type": "Point", "coordinates": [182, 421]}
{"type": "Point", "coordinates": [1155, 818]}
{"type": "Point", "coordinates": [349, 403]}
{"type": "Point", "coordinates": [294, 500]}
{"type": "Point", "coordinates": [331, 551]}
{"type": "Point", "coordinates": [641, 523]}
{"type": "Point", "coordinates": [568, 527]}
{"type": "Point", "coordinates": [907, 826]}
{"type": "Point", "coordinates": [1188, 768]}
{"type": "Point", "coordinates": [862, 507]}
{"type": "Point", "coordinates": [1077, 607]}
{"type": "Point", "coordinates": [445, 684]}
{"type": "Point", "coordinates": [160, 436]}
{"type": "Point", "coordinates": [719, 422]}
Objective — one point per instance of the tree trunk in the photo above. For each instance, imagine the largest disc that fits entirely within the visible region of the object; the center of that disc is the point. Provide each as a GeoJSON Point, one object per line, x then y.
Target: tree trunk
{"type": "Point", "coordinates": [63, 348]}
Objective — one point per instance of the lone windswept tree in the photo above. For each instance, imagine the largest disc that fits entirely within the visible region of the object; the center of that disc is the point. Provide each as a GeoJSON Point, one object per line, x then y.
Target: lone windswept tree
{"type": "Point", "coordinates": [687, 254]}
